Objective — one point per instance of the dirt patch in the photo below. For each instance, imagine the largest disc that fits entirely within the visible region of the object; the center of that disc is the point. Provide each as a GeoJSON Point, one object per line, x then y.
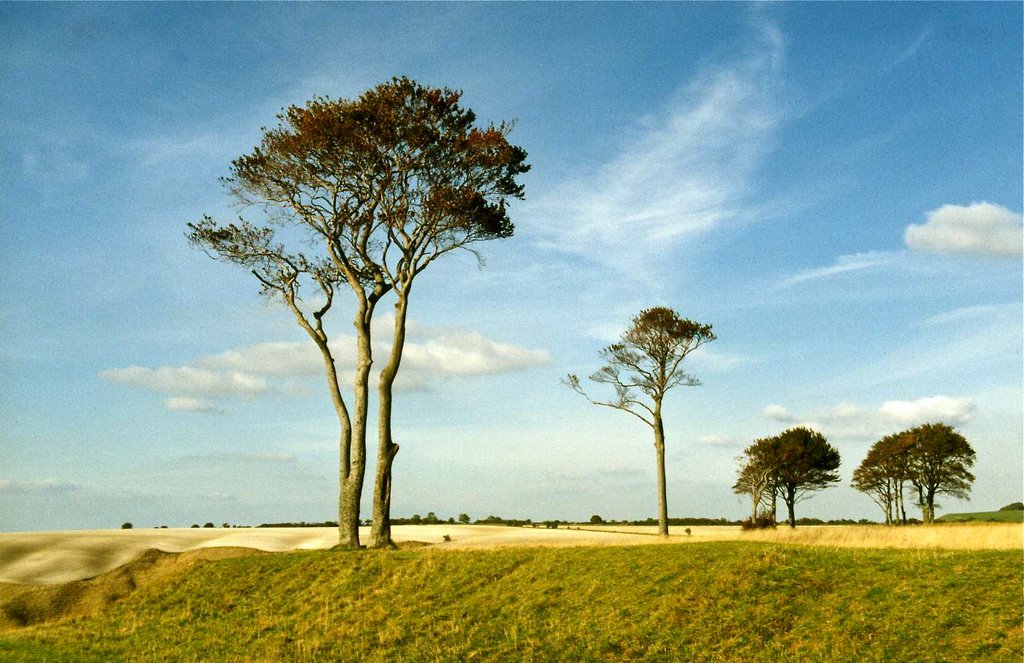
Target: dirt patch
{"type": "Point", "coordinates": [28, 605]}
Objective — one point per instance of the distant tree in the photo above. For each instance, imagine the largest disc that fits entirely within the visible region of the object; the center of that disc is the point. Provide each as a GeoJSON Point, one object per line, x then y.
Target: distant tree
{"type": "Point", "coordinates": [756, 477]}
{"type": "Point", "coordinates": [1013, 506]}
{"type": "Point", "coordinates": [372, 191]}
{"type": "Point", "coordinates": [126, 525]}
{"type": "Point", "coordinates": [645, 364]}
{"type": "Point", "coordinates": [940, 461]}
{"type": "Point", "coordinates": [883, 473]}
{"type": "Point", "coordinates": [796, 463]}
{"type": "Point", "coordinates": [208, 525]}
{"type": "Point", "coordinates": [194, 526]}
{"type": "Point", "coordinates": [416, 519]}
{"type": "Point", "coordinates": [596, 520]}
{"type": "Point", "coordinates": [431, 518]}
{"type": "Point", "coordinates": [464, 518]}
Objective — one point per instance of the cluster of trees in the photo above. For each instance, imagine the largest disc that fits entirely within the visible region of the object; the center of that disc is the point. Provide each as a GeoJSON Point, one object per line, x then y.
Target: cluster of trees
{"type": "Point", "coordinates": [789, 466]}
{"type": "Point", "coordinates": [934, 459]}
{"type": "Point", "coordinates": [368, 193]}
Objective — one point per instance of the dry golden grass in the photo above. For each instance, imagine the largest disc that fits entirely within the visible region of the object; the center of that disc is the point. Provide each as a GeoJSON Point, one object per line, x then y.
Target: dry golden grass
{"type": "Point", "coordinates": [58, 557]}
{"type": "Point", "coordinates": [966, 536]}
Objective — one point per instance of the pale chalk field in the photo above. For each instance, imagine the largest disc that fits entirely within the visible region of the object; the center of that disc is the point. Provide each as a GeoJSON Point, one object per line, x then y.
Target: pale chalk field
{"type": "Point", "coordinates": [38, 558]}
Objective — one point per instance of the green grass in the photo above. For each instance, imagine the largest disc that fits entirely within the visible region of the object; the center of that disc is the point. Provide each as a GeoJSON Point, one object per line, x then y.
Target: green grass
{"type": "Point", "coordinates": [983, 517]}
{"type": "Point", "coordinates": [714, 602]}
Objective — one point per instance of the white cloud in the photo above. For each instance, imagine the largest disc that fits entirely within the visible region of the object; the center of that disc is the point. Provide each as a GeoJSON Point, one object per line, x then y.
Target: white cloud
{"type": "Point", "coordinates": [849, 420]}
{"type": "Point", "coordinates": [253, 370]}
{"type": "Point", "coordinates": [943, 409]}
{"type": "Point", "coordinates": [237, 457]}
{"type": "Point", "coordinates": [188, 380]}
{"type": "Point", "coordinates": [685, 171]}
{"type": "Point", "coordinates": [777, 412]}
{"type": "Point", "coordinates": [844, 264]}
{"type": "Point", "coordinates": [980, 313]}
{"type": "Point", "coordinates": [979, 229]}
{"type": "Point", "coordinates": [276, 359]}
{"type": "Point", "coordinates": [39, 486]}
{"type": "Point", "coordinates": [189, 404]}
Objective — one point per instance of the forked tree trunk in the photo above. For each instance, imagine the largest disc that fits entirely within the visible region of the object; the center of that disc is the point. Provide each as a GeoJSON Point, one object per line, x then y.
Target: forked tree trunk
{"type": "Point", "coordinates": [659, 447]}
{"type": "Point", "coordinates": [380, 533]}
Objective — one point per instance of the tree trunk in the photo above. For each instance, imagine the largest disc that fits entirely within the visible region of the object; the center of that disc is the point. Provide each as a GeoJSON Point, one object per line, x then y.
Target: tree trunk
{"type": "Point", "coordinates": [353, 475]}
{"type": "Point", "coordinates": [380, 533]}
{"type": "Point", "coordinates": [659, 447]}
{"type": "Point", "coordinates": [790, 499]}
{"type": "Point", "coordinates": [351, 457]}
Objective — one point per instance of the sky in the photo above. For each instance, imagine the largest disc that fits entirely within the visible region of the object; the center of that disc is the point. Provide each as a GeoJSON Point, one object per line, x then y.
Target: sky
{"type": "Point", "coordinates": [835, 187]}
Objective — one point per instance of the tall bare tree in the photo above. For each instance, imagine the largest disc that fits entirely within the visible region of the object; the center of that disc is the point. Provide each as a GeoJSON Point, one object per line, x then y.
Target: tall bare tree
{"type": "Point", "coordinates": [642, 367]}
{"type": "Point", "coordinates": [375, 190]}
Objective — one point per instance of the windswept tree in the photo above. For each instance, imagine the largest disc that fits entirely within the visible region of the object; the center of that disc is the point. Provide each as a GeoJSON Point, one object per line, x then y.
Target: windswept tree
{"type": "Point", "coordinates": [798, 461]}
{"type": "Point", "coordinates": [361, 196]}
{"type": "Point", "coordinates": [940, 462]}
{"type": "Point", "coordinates": [757, 478]}
{"type": "Point", "coordinates": [642, 367]}
{"type": "Point", "coordinates": [883, 474]}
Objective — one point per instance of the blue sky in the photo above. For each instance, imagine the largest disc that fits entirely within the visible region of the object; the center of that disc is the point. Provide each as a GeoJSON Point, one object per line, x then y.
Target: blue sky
{"type": "Point", "coordinates": [837, 188]}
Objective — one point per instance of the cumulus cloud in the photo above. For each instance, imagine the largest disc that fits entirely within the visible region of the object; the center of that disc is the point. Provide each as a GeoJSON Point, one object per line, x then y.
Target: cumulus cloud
{"type": "Point", "coordinates": [777, 412]}
{"type": "Point", "coordinates": [980, 229]}
{"type": "Point", "coordinates": [851, 420]}
{"type": "Point", "coordinates": [188, 380]}
{"type": "Point", "coordinates": [189, 404]}
{"type": "Point", "coordinates": [257, 370]}
{"type": "Point", "coordinates": [684, 171]}
{"type": "Point", "coordinates": [934, 408]}
{"type": "Point", "coordinates": [276, 359]}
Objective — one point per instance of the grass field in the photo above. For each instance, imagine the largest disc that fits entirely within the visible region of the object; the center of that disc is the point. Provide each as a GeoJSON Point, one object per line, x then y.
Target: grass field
{"type": "Point", "coordinates": [984, 517]}
{"type": "Point", "coordinates": [713, 601]}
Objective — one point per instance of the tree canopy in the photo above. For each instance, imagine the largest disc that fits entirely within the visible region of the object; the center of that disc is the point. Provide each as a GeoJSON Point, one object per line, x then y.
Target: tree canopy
{"type": "Point", "coordinates": [363, 195]}
{"type": "Point", "coordinates": [790, 465]}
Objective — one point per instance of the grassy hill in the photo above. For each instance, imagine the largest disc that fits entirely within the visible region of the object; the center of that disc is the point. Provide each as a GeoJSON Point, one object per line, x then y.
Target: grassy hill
{"type": "Point", "coordinates": [713, 601]}
{"type": "Point", "coordinates": [983, 517]}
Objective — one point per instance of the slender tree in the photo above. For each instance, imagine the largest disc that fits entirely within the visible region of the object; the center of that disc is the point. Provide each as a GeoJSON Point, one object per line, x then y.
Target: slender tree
{"type": "Point", "coordinates": [642, 367]}
{"type": "Point", "coordinates": [939, 461]}
{"type": "Point", "coordinates": [374, 190]}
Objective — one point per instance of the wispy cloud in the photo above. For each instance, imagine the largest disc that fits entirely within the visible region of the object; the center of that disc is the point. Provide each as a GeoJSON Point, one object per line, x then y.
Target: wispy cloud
{"type": "Point", "coordinates": [856, 262]}
{"type": "Point", "coordinates": [980, 229]}
{"type": "Point", "coordinates": [911, 49]}
{"type": "Point", "coordinates": [685, 171]}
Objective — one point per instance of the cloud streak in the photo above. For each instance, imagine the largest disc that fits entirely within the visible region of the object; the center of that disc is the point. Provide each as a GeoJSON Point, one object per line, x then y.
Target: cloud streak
{"type": "Point", "coordinates": [686, 171]}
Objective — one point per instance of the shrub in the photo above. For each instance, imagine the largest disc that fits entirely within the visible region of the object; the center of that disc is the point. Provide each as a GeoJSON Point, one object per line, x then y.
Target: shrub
{"type": "Point", "coordinates": [208, 525]}
{"type": "Point", "coordinates": [1016, 506]}
{"type": "Point", "coordinates": [762, 521]}
{"type": "Point", "coordinates": [126, 525]}
{"type": "Point", "coordinates": [596, 520]}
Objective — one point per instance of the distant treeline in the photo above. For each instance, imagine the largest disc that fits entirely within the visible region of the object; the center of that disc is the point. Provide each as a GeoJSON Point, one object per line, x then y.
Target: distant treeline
{"type": "Point", "coordinates": [431, 519]}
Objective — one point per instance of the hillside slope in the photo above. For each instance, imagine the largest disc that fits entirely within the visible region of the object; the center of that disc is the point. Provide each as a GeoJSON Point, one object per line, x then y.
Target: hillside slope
{"type": "Point", "coordinates": [714, 601]}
